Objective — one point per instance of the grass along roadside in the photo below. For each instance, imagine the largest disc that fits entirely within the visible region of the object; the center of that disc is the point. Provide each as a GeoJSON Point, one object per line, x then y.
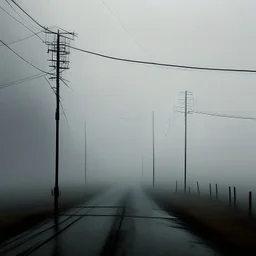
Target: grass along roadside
{"type": "Point", "coordinates": [229, 229]}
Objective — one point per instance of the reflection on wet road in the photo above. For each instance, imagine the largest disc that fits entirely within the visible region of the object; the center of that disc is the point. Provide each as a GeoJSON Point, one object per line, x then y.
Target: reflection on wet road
{"type": "Point", "coordinates": [119, 222]}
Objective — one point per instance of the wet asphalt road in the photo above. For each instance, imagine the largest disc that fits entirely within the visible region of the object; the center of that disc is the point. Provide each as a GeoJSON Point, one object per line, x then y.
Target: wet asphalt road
{"type": "Point", "coordinates": [118, 222]}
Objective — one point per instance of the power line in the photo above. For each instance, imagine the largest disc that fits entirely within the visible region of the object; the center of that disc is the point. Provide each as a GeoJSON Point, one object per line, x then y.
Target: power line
{"type": "Point", "coordinates": [141, 61]}
{"type": "Point", "coordinates": [22, 39]}
{"type": "Point", "coordinates": [28, 15]}
{"type": "Point", "coordinates": [64, 113]}
{"type": "Point", "coordinates": [25, 38]}
{"type": "Point", "coordinates": [20, 22]}
{"type": "Point", "coordinates": [19, 14]}
{"type": "Point", "coordinates": [62, 80]}
{"type": "Point", "coordinates": [23, 80]}
{"type": "Point", "coordinates": [15, 10]}
{"type": "Point", "coordinates": [32, 65]}
{"type": "Point", "coordinates": [2, 86]}
{"type": "Point", "coordinates": [50, 85]}
{"type": "Point", "coordinates": [218, 115]}
{"type": "Point", "coordinates": [62, 107]}
{"type": "Point", "coordinates": [224, 116]}
{"type": "Point", "coordinates": [124, 29]}
{"type": "Point", "coordinates": [53, 88]}
{"type": "Point", "coordinates": [45, 28]}
{"type": "Point", "coordinates": [120, 24]}
{"type": "Point", "coordinates": [163, 64]}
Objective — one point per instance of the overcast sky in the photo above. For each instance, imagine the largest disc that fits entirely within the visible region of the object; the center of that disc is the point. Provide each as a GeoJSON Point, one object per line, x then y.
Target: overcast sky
{"type": "Point", "coordinates": [117, 99]}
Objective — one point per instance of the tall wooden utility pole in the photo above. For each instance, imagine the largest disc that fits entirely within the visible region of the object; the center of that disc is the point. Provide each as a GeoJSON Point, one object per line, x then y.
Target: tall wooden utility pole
{"type": "Point", "coordinates": [58, 50]}
{"type": "Point", "coordinates": [186, 104]}
{"type": "Point", "coordinates": [142, 166]}
{"type": "Point", "coordinates": [185, 146]}
{"type": "Point", "coordinates": [57, 119]}
{"type": "Point", "coordinates": [153, 130]}
{"type": "Point", "coordinates": [85, 156]}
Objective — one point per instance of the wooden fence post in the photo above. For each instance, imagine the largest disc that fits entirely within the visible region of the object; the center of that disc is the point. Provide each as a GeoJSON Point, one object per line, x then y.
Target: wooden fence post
{"type": "Point", "coordinates": [250, 203]}
{"type": "Point", "coordinates": [234, 196]}
{"type": "Point", "coordinates": [198, 189]}
{"type": "Point", "coordinates": [217, 194]}
{"type": "Point", "coordinates": [210, 188]}
{"type": "Point", "coordinates": [229, 195]}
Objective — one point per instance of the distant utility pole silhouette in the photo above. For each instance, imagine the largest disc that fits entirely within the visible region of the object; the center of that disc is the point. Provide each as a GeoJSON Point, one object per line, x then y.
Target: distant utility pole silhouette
{"type": "Point", "coordinates": [142, 166]}
{"type": "Point", "coordinates": [85, 156]}
{"type": "Point", "coordinates": [142, 169]}
{"type": "Point", "coordinates": [185, 146]}
{"type": "Point", "coordinates": [186, 104]}
{"type": "Point", "coordinates": [153, 130]}
{"type": "Point", "coordinates": [58, 48]}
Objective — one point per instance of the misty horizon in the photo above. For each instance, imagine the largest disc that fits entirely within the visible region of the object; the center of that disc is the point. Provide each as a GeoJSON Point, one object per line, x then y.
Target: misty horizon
{"type": "Point", "coordinates": [116, 99]}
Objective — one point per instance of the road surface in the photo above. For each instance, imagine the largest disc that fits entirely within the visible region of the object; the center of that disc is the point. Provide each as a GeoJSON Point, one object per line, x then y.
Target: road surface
{"type": "Point", "coordinates": [118, 222]}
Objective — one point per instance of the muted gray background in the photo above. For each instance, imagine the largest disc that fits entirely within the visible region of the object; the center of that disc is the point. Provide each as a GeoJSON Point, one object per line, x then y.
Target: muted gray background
{"type": "Point", "coordinates": [117, 98]}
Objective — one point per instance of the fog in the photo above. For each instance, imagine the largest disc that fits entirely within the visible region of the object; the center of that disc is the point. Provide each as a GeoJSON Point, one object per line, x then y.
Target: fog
{"type": "Point", "coordinates": [117, 99]}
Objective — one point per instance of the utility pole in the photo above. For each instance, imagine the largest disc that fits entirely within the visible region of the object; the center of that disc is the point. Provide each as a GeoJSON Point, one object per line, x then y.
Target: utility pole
{"type": "Point", "coordinates": [58, 49]}
{"type": "Point", "coordinates": [57, 119]}
{"type": "Point", "coordinates": [186, 104]}
{"type": "Point", "coordinates": [153, 130]}
{"type": "Point", "coordinates": [85, 152]}
{"type": "Point", "coordinates": [185, 146]}
{"type": "Point", "coordinates": [142, 166]}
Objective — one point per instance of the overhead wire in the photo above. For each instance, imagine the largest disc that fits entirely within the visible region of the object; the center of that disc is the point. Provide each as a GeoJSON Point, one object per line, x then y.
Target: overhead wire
{"type": "Point", "coordinates": [120, 24]}
{"type": "Point", "coordinates": [20, 22]}
{"type": "Point", "coordinates": [223, 116]}
{"type": "Point", "coordinates": [22, 39]}
{"type": "Point", "coordinates": [28, 14]}
{"type": "Point", "coordinates": [63, 81]}
{"type": "Point", "coordinates": [151, 63]}
{"type": "Point", "coordinates": [62, 107]}
{"type": "Point", "coordinates": [163, 64]}
{"type": "Point", "coordinates": [40, 25]}
{"type": "Point", "coordinates": [218, 115]}
{"type": "Point", "coordinates": [50, 85]}
{"type": "Point", "coordinates": [19, 14]}
{"type": "Point", "coordinates": [29, 63]}
{"type": "Point", "coordinates": [36, 77]}
{"type": "Point", "coordinates": [26, 79]}
{"type": "Point", "coordinates": [125, 30]}
{"type": "Point", "coordinates": [64, 113]}
{"type": "Point", "coordinates": [34, 33]}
